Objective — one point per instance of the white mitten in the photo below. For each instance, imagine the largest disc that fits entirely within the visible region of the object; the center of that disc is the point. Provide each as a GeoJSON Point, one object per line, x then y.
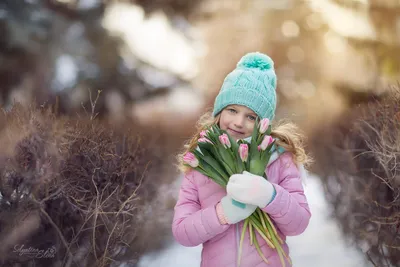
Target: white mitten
{"type": "Point", "coordinates": [234, 212]}
{"type": "Point", "coordinates": [250, 189]}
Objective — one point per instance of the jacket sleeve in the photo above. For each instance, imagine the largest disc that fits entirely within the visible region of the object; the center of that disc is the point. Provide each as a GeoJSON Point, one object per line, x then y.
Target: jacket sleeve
{"type": "Point", "coordinates": [193, 225]}
{"type": "Point", "coordinates": [289, 209]}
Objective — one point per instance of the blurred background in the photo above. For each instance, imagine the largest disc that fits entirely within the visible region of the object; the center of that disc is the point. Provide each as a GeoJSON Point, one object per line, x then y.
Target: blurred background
{"type": "Point", "coordinates": [160, 63]}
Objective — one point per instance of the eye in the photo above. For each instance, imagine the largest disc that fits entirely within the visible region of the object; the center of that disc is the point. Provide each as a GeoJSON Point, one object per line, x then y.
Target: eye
{"type": "Point", "coordinates": [252, 118]}
{"type": "Point", "coordinates": [231, 110]}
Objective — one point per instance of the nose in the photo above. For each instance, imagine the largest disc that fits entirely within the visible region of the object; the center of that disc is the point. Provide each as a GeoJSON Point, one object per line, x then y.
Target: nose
{"type": "Point", "coordinates": [239, 121]}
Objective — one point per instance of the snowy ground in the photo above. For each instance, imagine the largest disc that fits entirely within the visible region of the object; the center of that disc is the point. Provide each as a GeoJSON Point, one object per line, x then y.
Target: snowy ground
{"type": "Point", "coordinates": [320, 245]}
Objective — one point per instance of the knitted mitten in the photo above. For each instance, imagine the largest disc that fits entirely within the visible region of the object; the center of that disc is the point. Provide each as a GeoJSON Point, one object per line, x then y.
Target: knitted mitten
{"type": "Point", "coordinates": [231, 212]}
{"type": "Point", "coordinates": [250, 189]}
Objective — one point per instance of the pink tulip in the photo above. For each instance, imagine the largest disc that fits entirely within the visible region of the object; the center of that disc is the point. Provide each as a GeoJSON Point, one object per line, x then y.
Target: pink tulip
{"type": "Point", "coordinates": [203, 133]}
{"type": "Point", "coordinates": [264, 123]}
{"type": "Point", "coordinates": [224, 139]}
{"type": "Point", "coordinates": [265, 142]}
{"type": "Point", "coordinates": [243, 152]}
{"type": "Point", "coordinates": [191, 159]}
{"type": "Point", "coordinates": [204, 140]}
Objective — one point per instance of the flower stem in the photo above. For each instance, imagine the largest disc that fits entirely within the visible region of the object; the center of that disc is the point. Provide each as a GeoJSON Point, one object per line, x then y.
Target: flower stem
{"type": "Point", "coordinates": [251, 233]}
{"type": "Point", "coordinates": [259, 251]}
{"type": "Point", "coordinates": [270, 223]}
{"type": "Point", "coordinates": [258, 227]}
{"type": "Point", "coordinates": [246, 222]}
{"type": "Point", "coordinates": [279, 248]}
{"type": "Point", "coordinates": [273, 228]}
{"type": "Point", "coordinates": [261, 214]}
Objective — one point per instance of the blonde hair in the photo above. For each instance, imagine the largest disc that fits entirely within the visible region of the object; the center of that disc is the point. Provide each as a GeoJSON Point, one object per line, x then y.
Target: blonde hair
{"type": "Point", "coordinates": [287, 133]}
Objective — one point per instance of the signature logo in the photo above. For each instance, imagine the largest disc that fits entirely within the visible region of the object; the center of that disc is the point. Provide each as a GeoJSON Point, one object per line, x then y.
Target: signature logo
{"type": "Point", "coordinates": [31, 252]}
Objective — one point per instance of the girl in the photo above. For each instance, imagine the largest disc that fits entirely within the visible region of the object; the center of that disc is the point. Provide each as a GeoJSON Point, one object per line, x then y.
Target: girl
{"type": "Point", "coordinates": [205, 213]}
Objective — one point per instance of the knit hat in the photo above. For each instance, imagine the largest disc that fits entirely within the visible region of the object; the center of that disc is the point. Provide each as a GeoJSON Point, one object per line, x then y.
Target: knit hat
{"type": "Point", "coordinates": [251, 84]}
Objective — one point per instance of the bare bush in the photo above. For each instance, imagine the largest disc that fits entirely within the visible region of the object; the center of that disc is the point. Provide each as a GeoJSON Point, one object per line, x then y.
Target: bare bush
{"type": "Point", "coordinates": [358, 160]}
{"type": "Point", "coordinates": [81, 191]}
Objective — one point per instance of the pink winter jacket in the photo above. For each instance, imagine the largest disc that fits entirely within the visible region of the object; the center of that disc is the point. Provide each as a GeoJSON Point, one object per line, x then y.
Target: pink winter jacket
{"type": "Point", "coordinates": [195, 220]}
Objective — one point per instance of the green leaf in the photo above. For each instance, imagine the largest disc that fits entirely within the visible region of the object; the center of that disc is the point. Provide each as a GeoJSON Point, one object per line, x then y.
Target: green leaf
{"type": "Point", "coordinates": [205, 146]}
{"type": "Point", "coordinates": [254, 144]}
{"type": "Point", "coordinates": [201, 170]}
{"type": "Point", "coordinates": [260, 137]}
{"type": "Point", "coordinates": [269, 130]}
{"type": "Point", "coordinates": [211, 159]}
{"type": "Point", "coordinates": [234, 153]}
{"type": "Point", "coordinates": [266, 155]}
{"type": "Point", "coordinates": [212, 173]}
{"type": "Point", "coordinates": [240, 165]}
{"type": "Point", "coordinates": [234, 144]}
{"type": "Point", "coordinates": [217, 167]}
{"type": "Point", "coordinates": [218, 152]}
{"type": "Point", "coordinates": [212, 136]}
{"type": "Point", "coordinates": [257, 167]}
{"type": "Point", "coordinates": [216, 129]}
{"type": "Point", "coordinates": [226, 159]}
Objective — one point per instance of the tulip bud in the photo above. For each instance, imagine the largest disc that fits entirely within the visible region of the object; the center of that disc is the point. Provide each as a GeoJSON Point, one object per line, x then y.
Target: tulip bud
{"type": "Point", "coordinates": [265, 142]}
{"type": "Point", "coordinates": [263, 127]}
{"type": "Point", "coordinates": [203, 134]}
{"type": "Point", "coordinates": [224, 139]}
{"type": "Point", "coordinates": [204, 140]}
{"type": "Point", "coordinates": [243, 152]}
{"type": "Point", "coordinates": [191, 159]}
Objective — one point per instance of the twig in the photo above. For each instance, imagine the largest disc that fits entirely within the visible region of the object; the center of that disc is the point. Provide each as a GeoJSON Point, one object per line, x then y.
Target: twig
{"type": "Point", "coordinates": [124, 203]}
{"type": "Point", "coordinates": [57, 229]}
{"type": "Point", "coordinates": [93, 104]}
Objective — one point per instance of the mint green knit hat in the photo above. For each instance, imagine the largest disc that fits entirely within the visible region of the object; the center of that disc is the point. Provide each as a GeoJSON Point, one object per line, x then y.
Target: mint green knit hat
{"type": "Point", "coordinates": [251, 84]}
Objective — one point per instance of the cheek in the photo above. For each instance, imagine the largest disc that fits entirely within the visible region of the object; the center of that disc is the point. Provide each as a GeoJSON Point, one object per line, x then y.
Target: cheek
{"type": "Point", "coordinates": [249, 128]}
{"type": "Point", "coordinates": [223, 125]}
{"type": "Point", "coordinates": [223, 122]}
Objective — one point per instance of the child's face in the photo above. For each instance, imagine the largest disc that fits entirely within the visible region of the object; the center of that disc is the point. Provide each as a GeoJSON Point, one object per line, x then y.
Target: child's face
{"type": "Point", "coordinates": [238, 121]}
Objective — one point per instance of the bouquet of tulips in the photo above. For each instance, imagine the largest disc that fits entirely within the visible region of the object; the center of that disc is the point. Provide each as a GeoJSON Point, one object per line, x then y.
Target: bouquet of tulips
{"type": "Point", "coordinates": [219, 156]}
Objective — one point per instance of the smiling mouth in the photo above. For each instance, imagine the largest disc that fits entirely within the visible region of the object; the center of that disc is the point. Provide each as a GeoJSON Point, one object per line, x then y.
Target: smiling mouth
{"type": "Point", "coordinates": [235, 132]}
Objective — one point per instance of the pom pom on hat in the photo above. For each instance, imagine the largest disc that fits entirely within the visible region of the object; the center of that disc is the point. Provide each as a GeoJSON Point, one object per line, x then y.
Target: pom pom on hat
{"type": "Point", "coordinates": [256, 60]}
